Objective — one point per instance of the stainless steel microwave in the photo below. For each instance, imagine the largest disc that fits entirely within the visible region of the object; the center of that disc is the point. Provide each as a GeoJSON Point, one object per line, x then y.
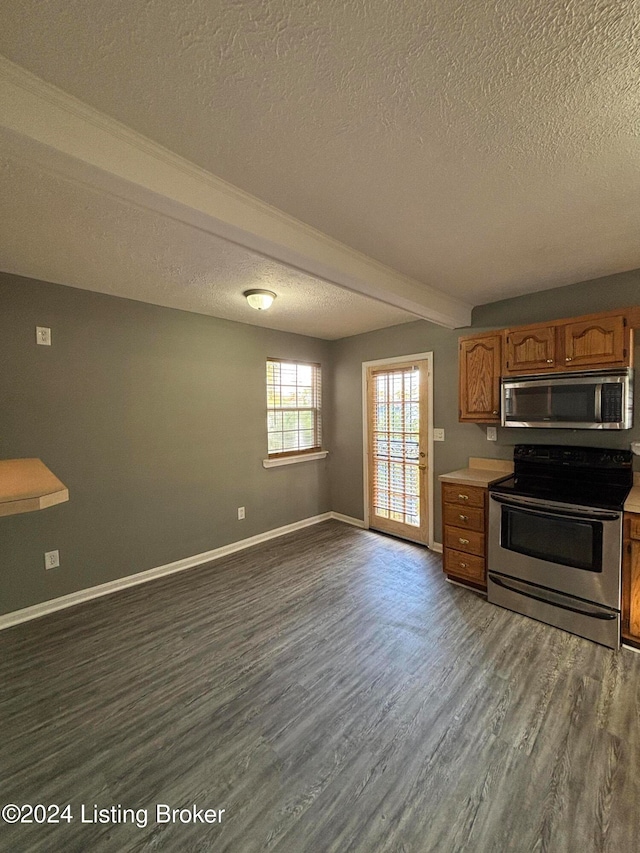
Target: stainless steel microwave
{"type": "Point", "coordinates": [594, 399]}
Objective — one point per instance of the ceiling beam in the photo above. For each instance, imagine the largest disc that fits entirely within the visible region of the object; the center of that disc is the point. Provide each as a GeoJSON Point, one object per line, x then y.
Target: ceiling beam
{"type": "Point", "coordinates": [88, 146]}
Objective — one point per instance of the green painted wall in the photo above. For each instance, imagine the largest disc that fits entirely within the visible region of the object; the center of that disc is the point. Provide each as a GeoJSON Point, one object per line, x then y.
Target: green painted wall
{"type": "Point", "coordinates": [154, 419]}
{"type": "Point", "coordinates": [461, 440]}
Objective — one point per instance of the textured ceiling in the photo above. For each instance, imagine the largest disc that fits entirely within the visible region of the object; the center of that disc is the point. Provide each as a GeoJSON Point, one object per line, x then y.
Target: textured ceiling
{"type": "Point", "coordinates": [486, 149]}
{"type": "Point", "coordinates": [102, 243]}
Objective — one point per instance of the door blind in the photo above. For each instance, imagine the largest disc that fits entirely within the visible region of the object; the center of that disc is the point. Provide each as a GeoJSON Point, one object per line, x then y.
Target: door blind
{"type": "Point", "coordinates": [395, 396]}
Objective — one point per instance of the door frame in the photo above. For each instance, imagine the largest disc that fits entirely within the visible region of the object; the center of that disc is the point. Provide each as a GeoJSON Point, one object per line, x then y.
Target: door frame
{"type": "Point", "coordinates": [383, 362]}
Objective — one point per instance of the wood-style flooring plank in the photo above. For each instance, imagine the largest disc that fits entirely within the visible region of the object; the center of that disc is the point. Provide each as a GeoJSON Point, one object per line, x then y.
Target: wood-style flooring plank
{"type": "Point", "coordinates": [332, 692]}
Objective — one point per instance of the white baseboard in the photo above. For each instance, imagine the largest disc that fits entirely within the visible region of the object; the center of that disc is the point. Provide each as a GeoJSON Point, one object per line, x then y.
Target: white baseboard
{"type": "Point", "coordinates": [437, 547]}
{"type": "Point", "coordinates": [82, 595]}
{"type": "Point", "coordinates": [348, 519]}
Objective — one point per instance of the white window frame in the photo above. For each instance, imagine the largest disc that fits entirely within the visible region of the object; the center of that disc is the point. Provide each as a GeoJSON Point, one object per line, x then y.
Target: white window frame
{"type": "Point", "coordinates": [287, 457]}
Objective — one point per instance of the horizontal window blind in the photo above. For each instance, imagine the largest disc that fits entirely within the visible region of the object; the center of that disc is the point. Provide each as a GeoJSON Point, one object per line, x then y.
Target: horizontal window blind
{"type": "Point", "coordinates": [293, 407]}
{"type": "Point", "coordinates": [394, 407]}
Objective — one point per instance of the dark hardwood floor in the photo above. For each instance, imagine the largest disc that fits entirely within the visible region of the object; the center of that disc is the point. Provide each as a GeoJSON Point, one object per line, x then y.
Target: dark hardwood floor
{"type": "Point", "coordinates": [331, 692]}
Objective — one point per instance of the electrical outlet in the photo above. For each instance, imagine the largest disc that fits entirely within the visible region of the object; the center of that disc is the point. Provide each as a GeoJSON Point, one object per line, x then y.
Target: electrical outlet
{"type": "Point", "coordinates": [492, 434]}
{"type": "Point", "coordinates": [43, 336]}
{"type": "Point", "coordinates": [438, 435]}
{"type": "Point", "coordinates": [51, 559]}
{"type": "Point", "coordinates": [240, 513]}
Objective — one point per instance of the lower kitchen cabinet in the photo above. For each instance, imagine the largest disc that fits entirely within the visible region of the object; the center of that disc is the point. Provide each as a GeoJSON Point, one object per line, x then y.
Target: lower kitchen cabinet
{"type": "Point", "coordinates": [631, 579]}
{"type": "Point", "coordinates": [464, 533]}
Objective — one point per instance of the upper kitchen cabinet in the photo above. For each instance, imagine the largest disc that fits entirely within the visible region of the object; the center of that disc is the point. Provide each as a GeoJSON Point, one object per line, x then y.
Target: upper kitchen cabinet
{"type": "Point", "coordinates": [530, 350]}
{"type": "Point", "coordinates": [577, 343]}
{"type": "Point", "coordinates": [479, 376]}
{"type": "Point", "coordinates": [596, 343]}
{"type": "Point", "coordinates": [591, 342]}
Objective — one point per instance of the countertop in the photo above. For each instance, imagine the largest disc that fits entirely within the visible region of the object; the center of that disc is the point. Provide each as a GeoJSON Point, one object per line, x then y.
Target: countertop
{"type": "Point", "coordinates": [484, 472]}
{"type": "Point", "coordinates": [632, 503]}
{"type": "Point", "coordinates": [481, 472]}
{"type": "Point", "coordinates": [27, 485]}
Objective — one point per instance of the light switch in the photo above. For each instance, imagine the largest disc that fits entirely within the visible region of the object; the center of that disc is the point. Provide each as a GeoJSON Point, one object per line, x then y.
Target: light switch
{"type": "Point", "coordinates": [492, 434]}
{"type": "Point", "coordinates": [438, 435]}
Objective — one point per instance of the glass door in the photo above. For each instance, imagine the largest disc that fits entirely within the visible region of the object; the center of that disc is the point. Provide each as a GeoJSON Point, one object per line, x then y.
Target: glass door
{"type": "Point", "coordinates": [397, 452]}
{"type": "Point", "coordinates": [553, 537]}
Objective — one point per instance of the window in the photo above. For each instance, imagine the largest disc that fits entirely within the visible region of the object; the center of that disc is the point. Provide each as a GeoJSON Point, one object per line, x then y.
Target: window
{"type": "Point", "coordinates": [293, 407]}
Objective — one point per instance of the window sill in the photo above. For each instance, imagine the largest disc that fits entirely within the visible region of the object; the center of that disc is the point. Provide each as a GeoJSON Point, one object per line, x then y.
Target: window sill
{"type": "Point", "coordinates": [291, 460]}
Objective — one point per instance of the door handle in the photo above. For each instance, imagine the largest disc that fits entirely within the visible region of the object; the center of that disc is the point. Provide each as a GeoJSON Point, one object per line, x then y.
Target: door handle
{"type": "Point", "coordinates": [554, 601]}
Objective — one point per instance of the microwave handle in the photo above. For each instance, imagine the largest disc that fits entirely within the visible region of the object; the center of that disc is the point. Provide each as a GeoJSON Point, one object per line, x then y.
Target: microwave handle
{"type": "Point", "coordinates": [598, 403]}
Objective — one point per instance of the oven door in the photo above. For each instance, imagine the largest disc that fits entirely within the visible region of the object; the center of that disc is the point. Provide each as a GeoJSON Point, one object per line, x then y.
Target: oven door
{"type": "Point", "coordinates": [561, 547]}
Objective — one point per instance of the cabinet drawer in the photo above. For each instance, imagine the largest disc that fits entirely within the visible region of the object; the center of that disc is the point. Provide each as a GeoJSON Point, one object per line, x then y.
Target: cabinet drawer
{"type": "Point", "coordinates": [464, 540]}
{"type": "Point", "coordinates": [462, 495]}
{"type": "Point", "coordinates": [469, 518]}
{"type": "Point", "coordinates": [466, 566]}
{"type": "Point", "coordinates": [634, 529]}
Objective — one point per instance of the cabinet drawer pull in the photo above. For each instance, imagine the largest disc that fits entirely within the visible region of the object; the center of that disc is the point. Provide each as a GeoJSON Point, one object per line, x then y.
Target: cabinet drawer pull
{"type": "Point", "coordinates": [463, 517]}
{"type": "Point", "coordinates": [549, 361]}
{"type": "Point", "coordinates": [494, 412]}
{"type": "Point", "coordinates": [463, 497]}
{"type": "Point", "coordinates": [463, 541]}
{"type": "Point", "coordinates": [463, 565]}
{"type": "Point", "coordinates": [568, 358]}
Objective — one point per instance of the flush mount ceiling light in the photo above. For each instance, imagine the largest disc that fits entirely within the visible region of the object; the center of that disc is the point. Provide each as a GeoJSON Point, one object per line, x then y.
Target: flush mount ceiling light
{"type": "Point", "coordinates": [260, 299]}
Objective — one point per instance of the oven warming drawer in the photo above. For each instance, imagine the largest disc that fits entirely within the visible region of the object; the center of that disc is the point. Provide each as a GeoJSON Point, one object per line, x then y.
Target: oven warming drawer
{"type": "Point", "coordinates": [583, 618]}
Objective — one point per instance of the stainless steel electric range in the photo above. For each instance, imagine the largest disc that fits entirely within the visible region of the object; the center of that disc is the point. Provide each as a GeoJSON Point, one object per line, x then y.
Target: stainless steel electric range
{"type": "Point", "coordinates": [555, 538]}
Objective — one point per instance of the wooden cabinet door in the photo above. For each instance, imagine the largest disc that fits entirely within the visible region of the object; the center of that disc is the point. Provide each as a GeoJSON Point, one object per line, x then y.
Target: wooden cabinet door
{"type": "Point", "coordinates": [631, 579]}
{"type": "Point", "coordinates": [595, 343]}
{"type": "Point", "coordinates": [530, 350]}
{"type": "Point", "coordinates": [634, 598]}
{"type": "Point", "coordinates": [479, 366]}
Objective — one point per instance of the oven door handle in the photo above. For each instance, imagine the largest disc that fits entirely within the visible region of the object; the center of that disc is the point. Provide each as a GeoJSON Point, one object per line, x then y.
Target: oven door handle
{"type": "Point", "coordinates": [598, 614]}
{"type": "Point", "coordinates": [553, 509]}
